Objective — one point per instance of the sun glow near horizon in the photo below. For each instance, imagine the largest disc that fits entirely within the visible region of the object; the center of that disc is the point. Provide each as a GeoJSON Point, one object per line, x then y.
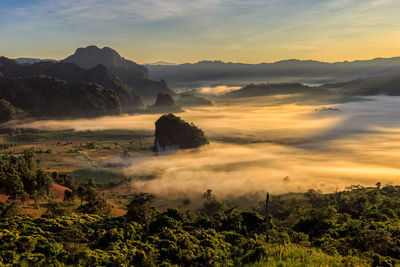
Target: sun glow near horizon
{"type": "Point", "coordinates": [180, 31]}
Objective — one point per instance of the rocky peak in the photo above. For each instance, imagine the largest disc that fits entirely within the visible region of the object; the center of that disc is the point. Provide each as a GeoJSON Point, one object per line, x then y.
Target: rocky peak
{"type": "Point", "coordinates": [174, 133]}
{"type": "Point", "coordinates": [164, 100]}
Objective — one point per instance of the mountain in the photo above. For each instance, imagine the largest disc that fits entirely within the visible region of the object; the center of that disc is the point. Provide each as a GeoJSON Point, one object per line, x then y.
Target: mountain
{"type": "Point", "coordinates": [164, 103]}
{"type": "Point", "coordinates": [131, 73]}
{"type": "Point", "coordinates": [27, 60]}
{"type": "Point", "coordinates": [52, 89]}
{"type": "Point", "coordinates": [161, 63]}
{"type": "Point", "coordinates": [76, 75]}
{"type": "Point", "coordinates": [305, 71]}
{"type": "Point", "coordinates": [164, 100]}
{"type": "Point", "coordinates": [48, 97]}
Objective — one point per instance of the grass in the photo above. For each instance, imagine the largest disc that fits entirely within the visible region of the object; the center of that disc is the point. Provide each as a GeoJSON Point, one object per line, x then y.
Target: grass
{"type": "Point", "coordinates": [83, 154]}
{"type": "Point", "coordinates": [101, 177]}
{"type": "Point", "coordinates": [36, 136]}
{"type": "Point", "coordinates": [295, 255]}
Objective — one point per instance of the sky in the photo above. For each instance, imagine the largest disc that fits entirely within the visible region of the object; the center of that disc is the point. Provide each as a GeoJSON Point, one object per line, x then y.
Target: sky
{"type": "Point", "coordinates": [181, 31]}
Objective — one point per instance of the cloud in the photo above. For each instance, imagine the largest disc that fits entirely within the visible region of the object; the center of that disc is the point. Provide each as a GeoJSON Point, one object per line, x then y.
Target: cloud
{"type": "Point", "coordinates": [216, 90]}
{"type": "Point", "coordinates": [185, 30]}
{"type": "Point", "coordinates": [78, 12]}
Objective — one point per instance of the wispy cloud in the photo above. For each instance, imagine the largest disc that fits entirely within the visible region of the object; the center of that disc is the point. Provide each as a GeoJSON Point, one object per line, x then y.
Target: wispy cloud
{"type": "Point", "coordinates": [77, 11]}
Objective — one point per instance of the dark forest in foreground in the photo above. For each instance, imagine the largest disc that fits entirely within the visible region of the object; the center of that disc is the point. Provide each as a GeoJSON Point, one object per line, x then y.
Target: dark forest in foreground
{"type": "Point", "coordinates": [358, 226]}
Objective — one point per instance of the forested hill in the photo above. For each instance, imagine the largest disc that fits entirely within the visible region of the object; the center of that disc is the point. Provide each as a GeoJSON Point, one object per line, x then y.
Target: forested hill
{"type": "Point", "coordinates": [52, 89]}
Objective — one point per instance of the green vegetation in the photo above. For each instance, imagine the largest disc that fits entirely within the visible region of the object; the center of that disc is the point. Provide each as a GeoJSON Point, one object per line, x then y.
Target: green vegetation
{"type": "Point", "coordinates": [356, 227]}
{"type": "Point", "coordinates": [7, 111]}
{"type": "Point", "coordinates": [33, 136]}
{"type": "Point", "coordinates": [103, 177]}
{"type": "Point", "coordinates": [20, 179]}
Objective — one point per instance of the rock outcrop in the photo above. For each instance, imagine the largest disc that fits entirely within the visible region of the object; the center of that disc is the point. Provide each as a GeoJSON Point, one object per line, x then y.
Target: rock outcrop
{"type": "Point", "coordinates": [174, 133]}
{"type": "Point", "coordinates": [131, 73]}
{"type": "Point", "coordinates": [164, 103]}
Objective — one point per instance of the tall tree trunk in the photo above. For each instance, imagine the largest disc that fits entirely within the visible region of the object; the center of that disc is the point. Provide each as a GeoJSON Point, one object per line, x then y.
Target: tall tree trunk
{"type": "Point", "coordinates": [267, 220]}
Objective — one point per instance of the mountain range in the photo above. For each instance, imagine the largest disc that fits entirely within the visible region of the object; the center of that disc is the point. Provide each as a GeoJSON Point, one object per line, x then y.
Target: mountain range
{"type": "Point", "coordinates": [304, 71]}
{"type": "Point", "coordinates": [98, 81]}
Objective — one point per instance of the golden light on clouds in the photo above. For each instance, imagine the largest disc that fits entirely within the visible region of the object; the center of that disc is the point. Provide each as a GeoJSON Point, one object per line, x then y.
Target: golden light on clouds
{"type": "Point", "coordinates": [255, 146]}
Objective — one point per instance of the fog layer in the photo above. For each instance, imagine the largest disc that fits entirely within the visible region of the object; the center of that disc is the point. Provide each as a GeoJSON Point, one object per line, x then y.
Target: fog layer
{"type": "Point", "coordinates": [275, 148]}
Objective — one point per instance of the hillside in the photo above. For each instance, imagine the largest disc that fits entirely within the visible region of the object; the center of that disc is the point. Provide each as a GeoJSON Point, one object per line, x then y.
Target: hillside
{"type": "Point", "coordinates": [276, 89]}
{"type": "Point", "coordinates": [44, 96]}
{"type": "Point", "coordinates": [115, 99]}
{"type": "Point", "coordinates": [380, 85]}
{"type": "Point", "coordinates": [131, 73]}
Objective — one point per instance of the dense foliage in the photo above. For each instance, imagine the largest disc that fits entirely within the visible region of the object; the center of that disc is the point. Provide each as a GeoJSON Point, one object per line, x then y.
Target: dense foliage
{"type": "Point", "coordinates": [174, 238]}
{"type": "Point", "coordinates": [21, 179]}
{"type": "Point", "coordinates": [356, 227]}
{"type": "Point", "coordinates": [7, 111]}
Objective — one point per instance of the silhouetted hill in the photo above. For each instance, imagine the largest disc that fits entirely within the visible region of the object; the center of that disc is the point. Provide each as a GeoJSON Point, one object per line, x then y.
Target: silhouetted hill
{"type": "Point", "coordinates": [174, 133]}
{"type": "Point", "coordinates": [134, 75]}
{"type": "Point", "coordinates": [164, 100]}
{"type": "Point", "coordinates": [276, 89]}
{"type": "Point", "coordinates": [164, 103]}
{"type": "Point", "coordinates": [130, 101]}
{"type": "Point", "coordinates": [75, 76]}
{"type": "Point", "coordinates": [44, 96]}
{"type": "Point", "coordinates": [386, 85]}
{"type": "Point", "coordinates": [281, 71]}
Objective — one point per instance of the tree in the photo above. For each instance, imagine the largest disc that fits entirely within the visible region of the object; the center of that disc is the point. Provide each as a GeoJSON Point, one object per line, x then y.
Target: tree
{"type": "Point", "coordinates": [69, 195]}
{"type": "Point", "coordinates": [208, 194]}
{"type": "Point", "coordinates": [20, 178]}
{"type": "Point", "coordinates": [95, 202]}
{"type": "Point", "coordinates": [140, 209]}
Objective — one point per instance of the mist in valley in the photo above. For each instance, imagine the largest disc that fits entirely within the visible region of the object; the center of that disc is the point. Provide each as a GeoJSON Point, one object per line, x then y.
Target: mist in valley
{"type": "Point", "coordinates": [266, 144]}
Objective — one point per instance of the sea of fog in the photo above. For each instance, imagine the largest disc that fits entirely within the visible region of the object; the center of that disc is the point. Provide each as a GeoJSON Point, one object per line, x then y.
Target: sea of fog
{"type": "Point", "coordinates": [266, 146]}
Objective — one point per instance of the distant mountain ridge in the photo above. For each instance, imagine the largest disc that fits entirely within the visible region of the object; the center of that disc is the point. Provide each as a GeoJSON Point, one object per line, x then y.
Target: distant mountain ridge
{"type": "Point", "coordinates": [311, 71]}
{"type": "Point", "coordinates": [131, 73]}
{"type": "Point", "coordinates": [27, 60]}
{"type": "Point", "coordinates": [252, 90]}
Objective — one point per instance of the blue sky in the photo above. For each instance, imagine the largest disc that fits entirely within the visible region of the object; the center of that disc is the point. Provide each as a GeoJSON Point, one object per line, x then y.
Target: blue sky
{"type": "Point", "coordinates": [188, 31]}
